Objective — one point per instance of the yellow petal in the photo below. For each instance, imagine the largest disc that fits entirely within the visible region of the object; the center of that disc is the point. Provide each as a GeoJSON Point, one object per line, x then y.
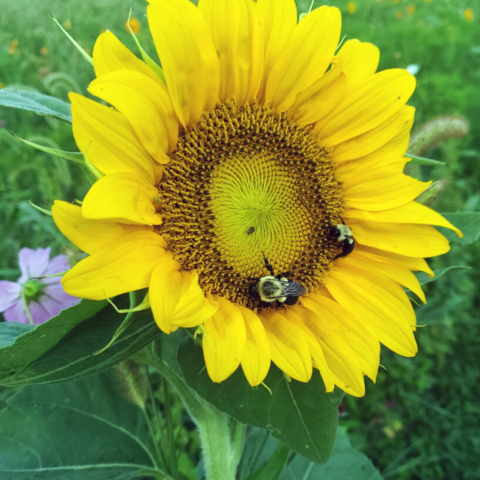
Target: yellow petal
{"type": "Point", "coordinates": [320, 99]}
{"type": "Point", "coordinates": [374, 139]}
{"type": "Point", "coordinates": [360, 60]}
{"type": "Point", "coordinates": [403, 239]}
{"type": "Point", "coordinates": [176, 297]}
{"type": "Point", "coordinates": [341, 360]}
{"type": "Point", "coordinates": [297, 317]}
{"type": "Point", "coordinates": [123, 197]}
{"type": "Point", "coordinates": [359, 337]}
{"type": "Point", "coordinates": [122, 267]}
{"type": "Point", "coordinates": [280, 19]}
{"type": "Point", "coordinates": [289, 347]}
{"type": "Point", "coordinates": [305, 58]}
{"type": "Point", "coordinates": [224, 340]}
{"type": "Point", "coordinates": [89, 235]}
{"type": "Point", "coordinates": [372, 102]}
{"type": "Point", "coordinates": [145, 104]}
{"type": "Point", "coordinates": [371, 166]}
{"type": "Point", "coordinates": [384, 193]}
{"type": "Point", "coordinates": [237, 33]}
{"type": "Point", "coordinates": [367, 263]}
{"type": "Point", "coordinates": [256, 357]}
{"type": "Point", "coordinates": [378, 305]}
{"type": "Point", "coordinates": [108, 140]}
{"type": "Point", "coordinates": [110, 55]}
{"type": "Point", "coordinates": [412, 212]}
{"type": "Point", "coordinates": [188, 56]}
{"type": "Point", "coordinates": [412, 263]}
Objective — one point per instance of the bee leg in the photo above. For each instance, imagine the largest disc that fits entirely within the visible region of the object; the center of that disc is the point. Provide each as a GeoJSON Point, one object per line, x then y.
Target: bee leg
{"type": "Point", "coordinates": [268, 266]}
{"type": "Point", "coordinates": [286, 275]}
{"type": "Point", "coordinates": [281, 305]}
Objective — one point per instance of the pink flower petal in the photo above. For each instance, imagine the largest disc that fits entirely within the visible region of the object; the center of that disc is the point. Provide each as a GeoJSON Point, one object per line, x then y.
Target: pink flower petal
{"type": "Point", "coordinates": [56, 299]}
{"type": "Point", "coordinates": [9, 293]}
{"type": "Point", "coordinates": [57, 264]}
{"type": "Point", "coordinates": [39, 313]}
{"type": "Point", "coordinates": [33, 263]}
{"type": "Point", "coordinates": [16, 313]}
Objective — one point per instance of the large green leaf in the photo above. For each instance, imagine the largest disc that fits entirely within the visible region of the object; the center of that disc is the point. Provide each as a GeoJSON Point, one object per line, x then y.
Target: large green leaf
{"type": "Point", "coordinates": [35, 102]}
{"type": "Point", "coordinates": [9, 331]}
{"type": "Point", "coordinates": [423, 278]}
{"type": "Point", "coordinates": [346, 463]}
{"type": "Point", "coordinates": [81, 430]}
{"type": "Point", "coordinates": [33, 344]}
{"type": "Point", "coordinates": [301, 415]}
{"type": "Point", "coordinates": [274, 466]}
{"type": "Point", "coordinates": [467, 222]}
{"type": "Point", "coordinates": [63, 348]}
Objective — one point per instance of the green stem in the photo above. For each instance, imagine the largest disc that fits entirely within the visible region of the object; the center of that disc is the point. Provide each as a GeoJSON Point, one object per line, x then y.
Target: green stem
{"type": "Point", "coordinates": [153, 431]}
{"type": "Point", "coordinates": [238, 436]}
{"type": "Point", "coordinates": [220, 456]}
{"type": "Point", "coordinates": [217, 449]}
{"type": "Point", "coordinates": [25, 306]}
{"type": "Point", "coordinates": [172, 458]}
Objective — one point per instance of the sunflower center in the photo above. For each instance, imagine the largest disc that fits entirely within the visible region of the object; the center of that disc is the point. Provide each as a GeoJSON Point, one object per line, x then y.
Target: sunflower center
{"type": "Point", "coordinates": [247, 181]}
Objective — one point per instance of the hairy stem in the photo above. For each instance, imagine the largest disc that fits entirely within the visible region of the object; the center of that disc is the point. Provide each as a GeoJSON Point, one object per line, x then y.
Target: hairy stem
{"type": "Point", "coordinates": [221, 455]}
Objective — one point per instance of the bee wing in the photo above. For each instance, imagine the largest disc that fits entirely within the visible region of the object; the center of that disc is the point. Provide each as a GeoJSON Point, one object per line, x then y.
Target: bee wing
{"type": "Point", "coordinates": [294, 289]}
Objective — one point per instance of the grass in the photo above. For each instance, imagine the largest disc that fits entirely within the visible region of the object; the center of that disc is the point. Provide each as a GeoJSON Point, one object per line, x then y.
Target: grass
{"type": "Point", "coordinates": [421, 420]}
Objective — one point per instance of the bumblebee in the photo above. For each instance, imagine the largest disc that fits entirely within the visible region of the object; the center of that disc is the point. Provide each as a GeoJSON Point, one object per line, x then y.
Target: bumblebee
{"type": "Point", "coordinates": [271, 288]}
{"type": "Point", "coordinates": [344, 237]}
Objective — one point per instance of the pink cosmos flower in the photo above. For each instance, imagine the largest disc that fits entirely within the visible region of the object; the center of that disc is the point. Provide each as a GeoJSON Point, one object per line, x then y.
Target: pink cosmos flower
{"type": "Point", "coordinates": [44, 297]}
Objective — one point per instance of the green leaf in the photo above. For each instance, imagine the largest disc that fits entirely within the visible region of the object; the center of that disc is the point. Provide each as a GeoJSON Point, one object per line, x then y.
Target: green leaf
{"type": "Point", "coordinates": [423, 160]}
{"type": "Point", "coordinates": [75, 157]}
{"type": "Point", "coordinates": [346, 463]}
{"type": "Point", "coordinates": [467, 222]}
{"type": "Point", "coordinates": [81, 430]}
{"type": "Point", "coordinates": [301, 415]}
{"type": "Point", "coordinates": [35, 343]}
{"type": "Point", "coordinates": [35, 102]}
{"type": "Point", "coordinates": [62, 348]}
{"type": "Point", "coordinates": [423, 278]}
{"type": "Point", "coordinates": [272, 469]}
{"type": "Point", "coordinates": [9, 331]}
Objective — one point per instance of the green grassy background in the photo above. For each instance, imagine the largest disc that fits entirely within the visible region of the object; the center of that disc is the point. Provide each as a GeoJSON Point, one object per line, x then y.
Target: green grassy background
{"type": "Point", "coordinates": [421, 420]}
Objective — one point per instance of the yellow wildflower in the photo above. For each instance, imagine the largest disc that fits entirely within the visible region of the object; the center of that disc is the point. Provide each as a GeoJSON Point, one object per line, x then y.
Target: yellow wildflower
{"type": "Point", "coordinates": [134, 24]}
{"type": "Point", "coordinates": [468, 14]}
{"type": "Point", "coordinates": [13, 47]}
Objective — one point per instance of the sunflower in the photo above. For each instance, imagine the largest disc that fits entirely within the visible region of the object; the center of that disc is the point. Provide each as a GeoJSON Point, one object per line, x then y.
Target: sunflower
{"type": "Point", "coordinates": [260, 138]}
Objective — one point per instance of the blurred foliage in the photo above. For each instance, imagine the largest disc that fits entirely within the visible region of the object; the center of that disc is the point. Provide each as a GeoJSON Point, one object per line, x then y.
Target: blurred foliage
{"type": "Point", "coordinates": [421, 420]}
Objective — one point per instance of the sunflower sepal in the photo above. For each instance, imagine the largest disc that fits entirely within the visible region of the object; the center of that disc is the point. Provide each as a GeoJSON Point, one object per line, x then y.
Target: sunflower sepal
{"type": "Point", "coordinates": [92, 171]}
{"type": "Point", "coordinates": [82, 51]}
{"type": "Point", "coordinates": [146, 57]}
{"type": "Point", "coordinates": [129, 319]}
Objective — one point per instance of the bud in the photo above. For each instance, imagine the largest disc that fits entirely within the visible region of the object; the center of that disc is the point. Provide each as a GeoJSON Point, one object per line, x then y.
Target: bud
{"type": "Point", "coordinates": [431, 194]}
{"type": "Point", "coordinates": [133, 382]}
{"type": "Point", "coordinates": [432, 133]}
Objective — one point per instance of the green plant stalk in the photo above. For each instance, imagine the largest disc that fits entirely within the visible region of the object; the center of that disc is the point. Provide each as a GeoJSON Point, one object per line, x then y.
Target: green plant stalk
{"type": "Point", "coordinates": [220, 454]}
{"type": "Point", "coordinates": [172, 457]}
